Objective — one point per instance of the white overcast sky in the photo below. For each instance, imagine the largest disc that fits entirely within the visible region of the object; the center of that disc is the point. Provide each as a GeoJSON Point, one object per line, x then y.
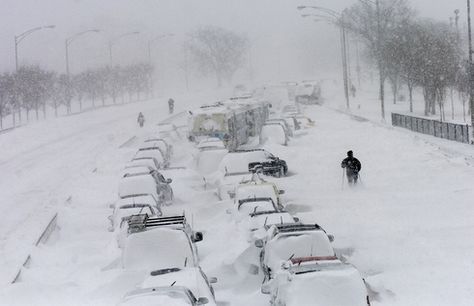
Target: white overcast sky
{"type": "Point", "coordinates": [278, 33]}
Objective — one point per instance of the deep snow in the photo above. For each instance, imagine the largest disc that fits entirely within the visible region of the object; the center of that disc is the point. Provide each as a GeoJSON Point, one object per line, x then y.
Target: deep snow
{"type": "Point", "coordinates": [407, 227]}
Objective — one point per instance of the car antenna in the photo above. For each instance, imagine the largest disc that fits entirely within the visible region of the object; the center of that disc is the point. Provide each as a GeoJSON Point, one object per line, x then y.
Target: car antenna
{"type": "Point", "coordinates": [185, 261]}
{"type": "Point", "coordinates": [281, 219]}
{"type": "Point", "coordinates": [172, 284]}
{"type": "Point", "coordinates": [291, 257]}
{"type": "Point", "coordinates": [255, 209]}
{"type": "Point", "coordinates": [265, 221]}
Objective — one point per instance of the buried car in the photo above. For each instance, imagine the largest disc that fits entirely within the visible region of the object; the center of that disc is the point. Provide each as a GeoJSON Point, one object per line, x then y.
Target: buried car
{"type": "Point", "coordinates": [286, 241]}
{"type": "Point", "coordinates": [169, 295]}
{"type": "Point", "coordinates": [317, 281]}
{"type": "Point", "coordinates": [258, 189]}
{"type": "Point", "coordinates": [274, 133]}
{"type": "Point", "coordinates": [192, 278]}
{"type": "Point", "coordinates": [159, 243]}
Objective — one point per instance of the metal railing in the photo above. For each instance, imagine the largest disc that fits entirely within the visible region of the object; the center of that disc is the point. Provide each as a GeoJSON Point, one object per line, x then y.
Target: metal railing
{"type": "Point", "coordinates": [446, 130]}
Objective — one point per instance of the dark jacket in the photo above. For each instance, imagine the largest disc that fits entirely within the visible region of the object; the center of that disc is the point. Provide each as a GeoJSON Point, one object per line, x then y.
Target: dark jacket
{"type": "Point", "coordinates": [352, 165]}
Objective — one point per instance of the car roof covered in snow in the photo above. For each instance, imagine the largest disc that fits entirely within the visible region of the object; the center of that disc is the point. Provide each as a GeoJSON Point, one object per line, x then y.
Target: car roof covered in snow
{"type": "Point", "coordinates": [327, 284]}
{"type": "Point", "coordinates": [238, 161]}
{"type": "Point", "coordinates": [137, 185]}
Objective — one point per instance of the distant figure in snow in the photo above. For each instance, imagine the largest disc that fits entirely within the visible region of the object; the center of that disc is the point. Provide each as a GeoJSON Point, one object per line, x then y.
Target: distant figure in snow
{"type": "Point", "coordinates": [353, 90]}
{"type": "Point", "coordinates": [352, 166]}
{"type": "Point", "coordinates": [141, 119]}
{"type": "Point", "coordinates": [171, 105]}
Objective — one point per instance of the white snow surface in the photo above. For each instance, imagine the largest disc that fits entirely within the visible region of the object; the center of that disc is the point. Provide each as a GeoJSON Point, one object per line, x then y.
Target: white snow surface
{"type": "Point", "coordinates": [406, 227]}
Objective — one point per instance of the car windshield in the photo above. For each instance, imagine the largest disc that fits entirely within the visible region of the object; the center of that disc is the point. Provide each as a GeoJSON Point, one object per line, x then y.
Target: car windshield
{"type": "Point", "coordinates": [252, 207]}
{"type": "Point", "coordinates": [298, 244]}
{"type": "Point", "coordinates": [157, 296]}
{"type": "Point", "coordinates": [171, 246]}
{"type": "Point", "coordinates": [331, 287]}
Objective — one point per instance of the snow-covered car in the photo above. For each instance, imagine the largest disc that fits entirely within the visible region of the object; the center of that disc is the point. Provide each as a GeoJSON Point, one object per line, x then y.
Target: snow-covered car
{"type": "Point", "coordinates": [168, 295]}
{"type": "Point", "coordinates": [236, 167]}
{"type": "Point", "coordinates": [155, 243]}
{"type": "Point", "coordinates": [227, 183]}
{"type": "Point", "coordinates": [284, 123]}
{"type": "Point", "coordinates": [274, 133]}
{"type": "Point", "coordinates": [211, 143]}
{"type": "Point", "coordinates": [192, 278]}
{"type": "Point", "coordinates": [262, 189]}
{"type": "Point", "coordinates": [207, 161]}
{"type": "Point", "coordinates": [268, 164]}
{"type": "Point", "coordinates": [261, 219]}
{"type": "Point", "coordinates": [290, 109]}
{"type": "Point", "coordinates": [168, 131]}
{"type": "Point", "coordinates": [150, 162]}
{"type": "Point", "coordinates": [163, 187]}
{"type": "Point", "coordinates": [153, 149]}
{"type": "Point", "coordinates": [142, 204]}
{"type": "Point", "coordinates": [132, 186]}
{"type": "Point", "coordinates": [243, 208]}
{"type": "Point", "coordinates": [317, 281]}
{"type": "Point", "coordinates": [165, 147]}
{"type": "Point", "coordinates": [286, 241]}
{"type": "Point", "coordinates": [152, 153]}
{"type": "Point", "coordinates": [304, 122]}
{"type": "Point", "coordinates": [255, 160]}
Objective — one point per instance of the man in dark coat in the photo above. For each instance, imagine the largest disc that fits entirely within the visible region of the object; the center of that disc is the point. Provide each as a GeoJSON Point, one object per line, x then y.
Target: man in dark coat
{"type": "Point", "coordinates": [352, 166]}
{"type": "Point", "coordinates": [171, 105]}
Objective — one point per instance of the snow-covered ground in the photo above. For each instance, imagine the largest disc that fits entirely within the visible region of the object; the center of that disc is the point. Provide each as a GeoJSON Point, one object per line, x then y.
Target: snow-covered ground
{"type": "Point", "coordinates": [407, 227]}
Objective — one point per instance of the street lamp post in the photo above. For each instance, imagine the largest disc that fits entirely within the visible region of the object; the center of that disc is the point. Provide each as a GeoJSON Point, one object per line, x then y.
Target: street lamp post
{"type": "Point", "coordinates": [19, 38]}
{"type": "Point", "coordinates": [471, 70]}
{"type": "Point", "coordinates": [335, 18]}
{"type": "Point", "coordinates": [113, 41]}
{"type": "Point", "coordinates": [151, 41]}
{"type": "Point", "coordinates": [69, 40]}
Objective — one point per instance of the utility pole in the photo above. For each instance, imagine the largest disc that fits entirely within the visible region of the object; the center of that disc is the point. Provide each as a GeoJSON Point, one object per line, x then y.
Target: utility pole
{"type": "Point", "coordinates": [471, 72]}
{"type": "Point", "coordinates": [379, 61]}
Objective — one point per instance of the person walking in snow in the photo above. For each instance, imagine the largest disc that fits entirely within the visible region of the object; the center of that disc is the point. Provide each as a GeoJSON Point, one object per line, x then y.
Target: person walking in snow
{"type": "Point", "coordinates": [141, 119]}
{"type": "Point", "coordinates": [353, 90]}
{"type": "Point", "coordinates": [352, 166]}
{"type": "Point", "coordinates": [171, 105]}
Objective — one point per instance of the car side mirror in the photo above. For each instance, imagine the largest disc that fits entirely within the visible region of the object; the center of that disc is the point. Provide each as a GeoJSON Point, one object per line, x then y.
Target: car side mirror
{"type": "Point", "coordinates": [231, 194]}
{"type": "Point", "coordinates": [110, 229]}
{"type": "Point", "coordinates": [259, 243]}
{"type": "Point", "coordinates": [331, 238]}
{"type": "Point", "coordinates": [213, 280]}
{"type": "Point", "coordinates": [281, 191]}
{"type": "Point", "coordinates": [296, 219]}
{"type": "Point", "coordinates": [197, 236]}
{"type": "Point", "coordinates": [169, 181]}
{"type": "Point", "coordinates": [202, 301]}
{"type": "Point", "coordinates": [110, 217]}
{"type": "Point", "coordinates": [112, 206]}
{"type": "Point", "coordinates": [266, 288]}
{"type": "Point", "coordinates": [228, 211]}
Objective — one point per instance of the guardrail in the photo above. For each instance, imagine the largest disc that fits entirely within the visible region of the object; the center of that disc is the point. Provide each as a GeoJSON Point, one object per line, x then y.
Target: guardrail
{"type": "Point", "coordinates": [43, 238]}
{"type": "Point", "coordinates": [445, 130]}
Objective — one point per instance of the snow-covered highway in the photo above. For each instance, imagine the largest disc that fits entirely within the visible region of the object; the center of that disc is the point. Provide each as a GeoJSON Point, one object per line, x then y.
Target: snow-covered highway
{"type": "Point", "coordinates": [407, 227]}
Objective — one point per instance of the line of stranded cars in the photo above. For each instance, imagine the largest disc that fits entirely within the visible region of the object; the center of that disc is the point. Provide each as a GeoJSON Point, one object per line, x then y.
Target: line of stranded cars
{"type": "Point", "coordinates": [298, 262]}
{"type": "Point", "coordinates": [157, 248]}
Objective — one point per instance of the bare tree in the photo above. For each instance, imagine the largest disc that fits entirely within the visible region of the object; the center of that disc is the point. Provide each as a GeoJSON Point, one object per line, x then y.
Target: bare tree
{"type": "Point", "coordinates": [217, 51]}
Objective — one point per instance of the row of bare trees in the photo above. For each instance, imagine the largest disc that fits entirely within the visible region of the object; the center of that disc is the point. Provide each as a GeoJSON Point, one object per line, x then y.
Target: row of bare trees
{"type": "Point", "coordinates": [411, 51]}
{"type": "Point", "coordinates": [32, 88]}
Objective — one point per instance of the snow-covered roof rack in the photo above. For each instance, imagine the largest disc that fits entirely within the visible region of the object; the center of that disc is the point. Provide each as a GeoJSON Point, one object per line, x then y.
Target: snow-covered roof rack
{"type": "Point", "coordinates": [297, 227]}
{"type": "Point", "coordinates": [139, 223]}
